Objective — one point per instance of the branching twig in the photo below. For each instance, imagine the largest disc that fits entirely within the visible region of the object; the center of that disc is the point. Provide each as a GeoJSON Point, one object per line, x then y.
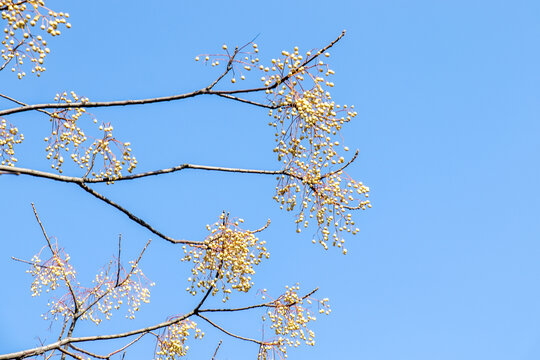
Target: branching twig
{"type": "Point", "coordinates": [217, 348]}
{"type": "Point", "coordinates": [66, 280]}
{"type": "Point", "coordinates": [137, 219]}
{"type": "Point", "coordinates": [70, 340]}
{"type": "Point", "coordinates": [112, 353]}
{"type": "Point", "coordinates": [266, 304]}
{"type": "Point", "coordinates": [229, 333]}
{"type": "Point", "coordinates": [204, 91]}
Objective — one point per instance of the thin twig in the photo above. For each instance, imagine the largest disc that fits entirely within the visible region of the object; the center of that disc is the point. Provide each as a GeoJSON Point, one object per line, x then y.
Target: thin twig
{"type": "Point", "coordinates": [112, 353]}
{"type": "Point", "coordinates": [215, 352]}
{"type": "Point", "coordinates": [29, 262]}
{"type": "Point", "coordinates": [78, 180]}
{"type": "Point", "coordinates": [98, 299]}
{"type": "Point", "coordinates": [66, 280]}
{"type": "Point", "coordinates": [75, 356]}
{"type": "Point", "coordinates": [137, 219]}
{"type": "Point", "coordinates": [70, 340]}
{"type": "Point", "coordinates": [341, 168]}
{"type": "Point", "coordinates": [204, 91]}
{"type": "Point", "coordinates": [21, 103]}
{"type": "Point", "coordinates": [266, 304]}
{"type": "Point", "coordinates": [118, 260]}
{"type": "Point", "coordinates": [229, 333]}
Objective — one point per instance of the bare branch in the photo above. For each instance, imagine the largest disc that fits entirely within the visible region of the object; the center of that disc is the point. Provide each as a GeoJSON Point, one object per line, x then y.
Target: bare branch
{"type": "Point", "coordinates": [215, 352]}
{"type": "Point", "coordinates": [266, 304]}
{"type": "Point", "coordinates": [229, 333]}
{"type": "Point", "coordinates": [266, 106]}
{"type": "Point", "coordinates": [29, 262]}
{"type": "Point", "coordinates": [112, 353]}
{"type": "Point", "coordinates": [66, 280]}
{"type": "Point", "coordinates": [21, 103]}
{"type": "Point", "coordinates": [70, 340]}
{"type": "Point", "coordinates": [79, 180]}
{"type": "Point", "coordinates": [137, 219]}
{"type": "Point", "coordinates": [343, 167]}
{"type": "Point", "coordinates": [227, 70]}
{"type": "Point", "coordinates": [119, 252]}
{"type": "Point", "coordinates": [204, 91]}
{"type": "Point", "coordinates": [75, 356]}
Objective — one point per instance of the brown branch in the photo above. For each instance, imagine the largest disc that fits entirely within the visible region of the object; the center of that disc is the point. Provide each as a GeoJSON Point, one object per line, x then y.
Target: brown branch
{"type": "Point", "coordinates": [112, 353]}
{"type": "Point", "coordinates": [81, 180]}
{"type": "Point", "coordinates": [65, 352]}
{"type": "Point", "coordinates": [137, 219]}
{"type": "Point", "coordinates": [285, 78]}
{"type": "Point", "coordinates": [215, 352]}
{"type": "Point", "coordinates": [97, 299]}
{"type": "Point", "coordinates": [68, 283]}
{"type": "Point", "coordinates": [29, 262]}
{"type": "Point", "coordinates": [11, 58]}
{"type": "Point", "coordinates": [266, 304]}
{"type": "Point", "coordinates": [204, 91]}
{"type": "Point", "coordinates": [341, 168]}
{"type": "Point", "coordinates": [266, 106]}
{"type": "Point", "coordinates": [21, 103]}
{"type": "Point", "coordinates": [227, 70]}
{"type": "Point", "coordinates": [119, 252]}
{"type": "Point", "coordinates": [70, 340]}
{"type": "Point", "coordinates": [229, 333]}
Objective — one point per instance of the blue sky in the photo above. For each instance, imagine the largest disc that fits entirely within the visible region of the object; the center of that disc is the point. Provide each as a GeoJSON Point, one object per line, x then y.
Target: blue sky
{"type": "Point", "coordinates": [446, 264]}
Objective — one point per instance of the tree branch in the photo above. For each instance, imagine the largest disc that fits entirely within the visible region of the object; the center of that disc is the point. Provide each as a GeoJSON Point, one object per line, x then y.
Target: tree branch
{"type": "Point", "coordinates": [229, 333]}
{"type": "Point", "coordinates": [204, 91]}
{"type": "Point", "coordinates": [135, 218]}
{"type": "Point", "coordinates": [70, 340]}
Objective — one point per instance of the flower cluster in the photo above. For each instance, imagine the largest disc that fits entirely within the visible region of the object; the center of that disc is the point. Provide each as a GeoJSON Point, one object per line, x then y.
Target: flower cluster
{"type": "Point", "coordinates": [289, 317]}
{"type": "Point", "coordinates": [54, 273]}
{"type": "Point", "coordinates": [9, 136]}
{"type": "Point", "coordinates": [228, 257]}
{"type": "Point", "coordinates": [307, 125]}
{"type": "Point", "coordinates": [109, 291]}
{"type": "Point", "coordinates": [171, 345]}
{"type": "Point", "coordinates": [66, 133]}
{"type": "Point", "coordinates": [19, 41]}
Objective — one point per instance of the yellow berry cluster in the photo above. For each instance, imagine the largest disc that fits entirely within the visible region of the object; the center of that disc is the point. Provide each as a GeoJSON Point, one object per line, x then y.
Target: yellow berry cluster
{"type": "Point", "coordinates": [66, 133]}
{"type": "Point", "coordinates": [19, 41]}
{"type": "Point", "coordinates": [228, 258]}
{"type": "Point", "coordinates": [132, 289]}
{"type": "Point", "coordinates": [52, 274]}
{"type": "Point", "coordinates": [307, 125]}
{"type": "Point", "coordinates": [171, 345]}
{"type": "Point", "coordinates": [9, 136]}
{"type": "Point", "coordinates": [289, 317]}
{"type": "Point", "coordinates": [109, 291]}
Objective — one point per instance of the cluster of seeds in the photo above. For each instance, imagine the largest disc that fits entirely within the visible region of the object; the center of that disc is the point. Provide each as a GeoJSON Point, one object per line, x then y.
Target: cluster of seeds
{"type": "Point", "coordinates": [111, 293]}
{"type": "Point", "coordinates": [9, 136]}
{"type": "Point", "coordinates": [171, 345]}
{"type": "Point", "coordinates": [66, 133]}
{"type": "Point", "coordinates": [289, 317]}
{"type": "Point", "coordinates": [228, 258]}
{"type": "Point", "coordinates": [19, 41]}
{"type": "Point", "coordinates": [307, 125]}
{"type": "Point", "coordinates": [54, 273]}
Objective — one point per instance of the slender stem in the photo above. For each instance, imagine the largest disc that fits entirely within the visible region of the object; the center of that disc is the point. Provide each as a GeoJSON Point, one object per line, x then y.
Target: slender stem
{"type": "Point", "coordinates": [229, 333]}
{"type": "Point", "coordinates": [137, 219]}
{"type": "Point", "coordinates": [204, 91]}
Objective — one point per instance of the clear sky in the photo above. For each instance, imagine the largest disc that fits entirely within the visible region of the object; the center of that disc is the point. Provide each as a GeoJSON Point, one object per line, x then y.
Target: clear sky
{"type": "Point", "coordinates": [447, 262]}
